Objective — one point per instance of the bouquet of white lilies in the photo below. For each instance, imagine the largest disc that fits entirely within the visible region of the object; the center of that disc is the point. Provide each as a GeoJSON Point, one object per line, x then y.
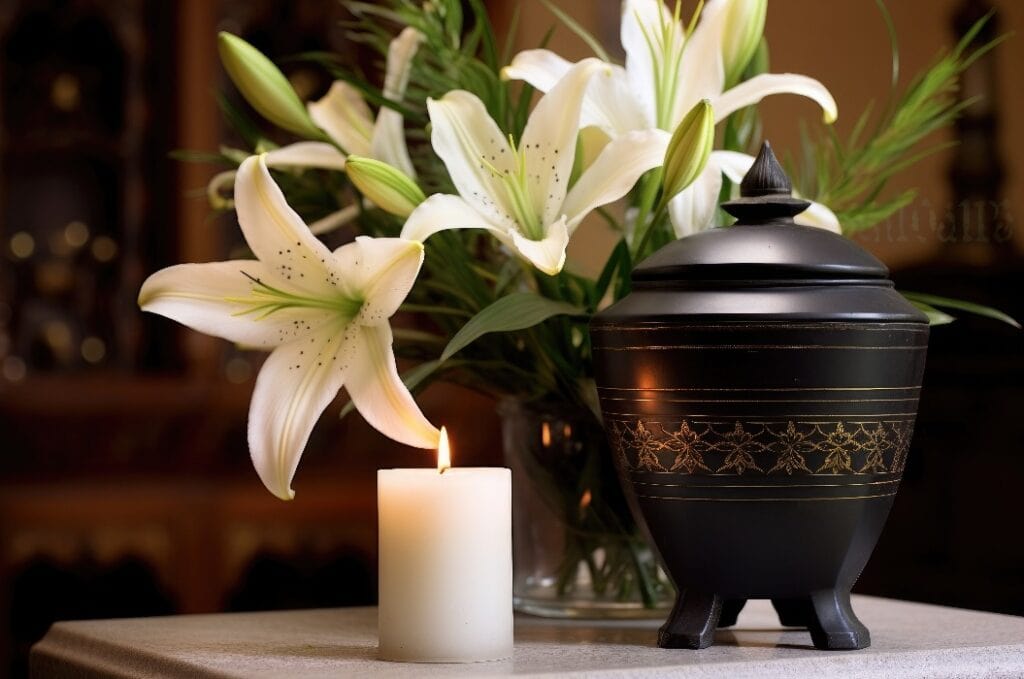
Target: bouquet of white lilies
{"type": "Point", "coordinates": [455, 202]}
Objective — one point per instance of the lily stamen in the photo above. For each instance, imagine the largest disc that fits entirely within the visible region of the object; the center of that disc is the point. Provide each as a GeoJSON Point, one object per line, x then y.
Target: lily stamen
{"type": "Point", "coordinates": [269, 299]}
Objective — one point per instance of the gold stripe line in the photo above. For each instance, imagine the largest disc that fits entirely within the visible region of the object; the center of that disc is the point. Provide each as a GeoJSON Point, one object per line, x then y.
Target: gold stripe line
{"type": "Point", "coordinates": [686, 416]}
{"type": "Point", "coordinates": [757, 400]}
{"type": "Point", "coordinates": [828, 475]}
{"type": "Point", "coordinates": [702, 347]}
{"type": "Point", "coordinates": [880, 327]}
{"type": "Point", "coordinates": [757, 388]}
{"type": "Point", "coordinates": [765, 499]}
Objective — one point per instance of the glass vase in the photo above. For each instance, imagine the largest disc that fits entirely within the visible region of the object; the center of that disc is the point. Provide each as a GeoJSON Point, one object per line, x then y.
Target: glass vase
{"type": "Point", "coordinates": [577, 550]}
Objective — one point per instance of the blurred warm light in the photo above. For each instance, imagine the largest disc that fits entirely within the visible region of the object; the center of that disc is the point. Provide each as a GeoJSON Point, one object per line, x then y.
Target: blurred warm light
{"type": "Point", "coordinates": [22, 245]}
{"type": "Point", "coordinates": [76, 234]}
{"type": "Point", "coordinates": [54, 277]}
{"type": "Point", "coordinates": [14, 369]}
{"type": "Point", "coordinates": [444, 453]}
{"type": "Point", "coordinates": [545, 434]}
{"type": "Point", "coordinates": [58, 337]}
{"type": "Point", "coordinates": [93, 349]}
{"type": "Point", "coordinates": [104, 249]}
{"type": "Point", "coordinates": [65, 93]}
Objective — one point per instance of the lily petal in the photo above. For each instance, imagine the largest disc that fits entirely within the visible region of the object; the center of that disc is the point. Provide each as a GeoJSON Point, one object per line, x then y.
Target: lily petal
{"type": "Point", "coordinates": [547, 254]}
{"type": "Point", "coordinates": [549, 140]}
{"type": "Point", "coordinates": [306, 154]}
{"type": "Point", "coordinates": [539, 68]}
{"type": "Point", "coordinates": [335, 220]}
{"type": "Point", "coordinates": [750, 92]}
{"type": "Point", "coordinates": [472, 148]}
{"type": "Point", "coordinates": [379, 394]}
{"type": "Point", "coordinates": [381, 271]}
{"type": "Point", "coordinates": [693, 209]}
{"type": "Point", "coordinates": [615, 171]}
{"type": "Point", "coordinates": [643, 19]}
{"type": "Point", "coordinates": [702, 72]}
{"type": "Point", "coordinates": [389, 141]}
{"type": "Point", "coordinates": [210, 298]}
{"type": "Point", "coordinates": [611, 104]}
{"type": "Point", "coordinates": [441, 212]}
{"type": "Point", "coordinates": [401, 51]}
{"type": "Point", "coordinates": [297, 381]}
{"type": "Point", "coordinates": [733, 164]}
{"type": "Point", "coordinates": [344, 115]}
{"type": "Point", "coordinates": [820, 216]}
{"type": "Point", "coordinates": [275, 233]}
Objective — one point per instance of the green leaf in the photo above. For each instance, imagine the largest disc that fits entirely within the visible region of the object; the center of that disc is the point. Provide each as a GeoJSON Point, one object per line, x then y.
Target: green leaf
{"type": "Point", "coordinates": [574, 26]}
{"type": "Point", "coordinates": [517, 311]}
{"type": "Point", "coordinates": [618, 260]}
{"type": "Point", "coordinates": [935, 317]}
{"type": "Point", "coordinates": [961, 305]}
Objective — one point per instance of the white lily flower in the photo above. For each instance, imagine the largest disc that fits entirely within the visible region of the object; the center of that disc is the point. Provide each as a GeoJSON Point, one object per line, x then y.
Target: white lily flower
{"type": "Point", "coordinates": [323, 314]}
{"type": "Point", "coordinates": [520, 193]}
{"type": "Point", "coordinates": [666, 73]}
{"type": "Point", "coordinates": [345, 117]}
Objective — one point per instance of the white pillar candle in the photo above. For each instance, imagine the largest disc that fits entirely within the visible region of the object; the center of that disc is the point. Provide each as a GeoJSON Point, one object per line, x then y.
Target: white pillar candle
{"type": "Point", "coordinates": [445, 558]}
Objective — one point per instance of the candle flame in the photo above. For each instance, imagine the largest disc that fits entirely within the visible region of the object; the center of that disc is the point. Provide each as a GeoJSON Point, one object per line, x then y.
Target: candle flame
{"type": "Point", "coordinates": [444, 453]}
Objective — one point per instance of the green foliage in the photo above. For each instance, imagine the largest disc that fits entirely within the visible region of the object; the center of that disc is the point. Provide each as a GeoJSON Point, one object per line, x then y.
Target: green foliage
{"type": "Point", "coordinates": [517, 311]}
{"type": "Point", "coordinates": [849, 175]}
{"type": "Point", "coordinates": [927, 302]}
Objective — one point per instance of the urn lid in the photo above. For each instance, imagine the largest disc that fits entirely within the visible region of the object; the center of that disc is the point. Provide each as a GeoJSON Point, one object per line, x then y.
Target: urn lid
{"type": "Point", "coordinates": [764, 244]}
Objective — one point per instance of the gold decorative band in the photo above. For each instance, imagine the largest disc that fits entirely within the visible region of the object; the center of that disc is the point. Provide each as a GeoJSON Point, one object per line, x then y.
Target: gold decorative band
{"type": "Point", "coordinates": [855, 446]}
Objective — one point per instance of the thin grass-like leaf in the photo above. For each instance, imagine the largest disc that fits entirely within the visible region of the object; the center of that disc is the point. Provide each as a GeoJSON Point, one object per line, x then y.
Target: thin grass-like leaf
{"type": "Point", "coordinates": [961, 305]}
{"type": "Point", "coordinates": [586, 36]}
{"type": "Point", "coordinates": [935, 317]}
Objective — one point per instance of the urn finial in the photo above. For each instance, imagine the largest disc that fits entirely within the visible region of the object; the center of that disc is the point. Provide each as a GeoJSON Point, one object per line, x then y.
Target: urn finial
{"type": "Point", "coordinates": [765, 193]}
{"type": "Point", "coordinates": [765, 176]}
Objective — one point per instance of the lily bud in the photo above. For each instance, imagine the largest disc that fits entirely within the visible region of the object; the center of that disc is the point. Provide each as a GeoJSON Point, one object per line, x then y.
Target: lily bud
{"type": "Point", "coordinates": [688, 149]}
{"type": "Point", "coordinates": [388, 188]}
{"type": "Point", "coordinates": [744, 27]}
{"type": "Point", "coordinates": [264, 86]}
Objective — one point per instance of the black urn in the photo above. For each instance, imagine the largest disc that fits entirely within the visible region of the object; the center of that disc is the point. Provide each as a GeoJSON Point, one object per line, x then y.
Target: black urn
{"type": "Point", "coordinates": [759, 387]}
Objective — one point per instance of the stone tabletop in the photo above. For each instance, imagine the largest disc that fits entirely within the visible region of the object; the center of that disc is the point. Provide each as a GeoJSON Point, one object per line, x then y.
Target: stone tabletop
{"type": "Point", "coordinates": [909, 640]}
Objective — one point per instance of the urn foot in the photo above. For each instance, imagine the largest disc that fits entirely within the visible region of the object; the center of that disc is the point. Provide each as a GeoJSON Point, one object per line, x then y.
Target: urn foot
{"type": "Point", "coordinates": [692, 621]}
{"type": "Point", "coordinates": [731, 611]}
{"type": "Point", "coordinates": [834, 626]}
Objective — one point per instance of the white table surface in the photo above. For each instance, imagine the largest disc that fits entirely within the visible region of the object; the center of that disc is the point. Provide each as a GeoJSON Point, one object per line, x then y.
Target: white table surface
{"type": "Point", "coordinates": [908, 640]}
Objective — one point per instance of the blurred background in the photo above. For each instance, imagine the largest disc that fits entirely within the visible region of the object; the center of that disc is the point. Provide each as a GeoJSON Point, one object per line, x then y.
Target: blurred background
{"type": "Point", "coordinates": [125, 483]}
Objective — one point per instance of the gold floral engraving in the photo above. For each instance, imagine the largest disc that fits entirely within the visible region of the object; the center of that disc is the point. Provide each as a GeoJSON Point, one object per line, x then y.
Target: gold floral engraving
{"type": "Point", "coordinates": [838, 444]}
{"type": "Point", "coordinates": [790, 446]}
{"type": "Point", "coordinates": [876, 445]}
{"type": "Point", "coordinates": [684, 443]}
{"type": "Point", "coordinates": [738, 445]}
{"type": "Point", "coordinates": [783, 448]}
